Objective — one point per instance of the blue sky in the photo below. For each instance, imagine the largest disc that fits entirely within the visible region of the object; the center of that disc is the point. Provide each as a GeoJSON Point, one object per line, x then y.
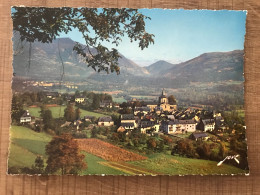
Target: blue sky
{"type": "Point", "coordinates": [181, 35]}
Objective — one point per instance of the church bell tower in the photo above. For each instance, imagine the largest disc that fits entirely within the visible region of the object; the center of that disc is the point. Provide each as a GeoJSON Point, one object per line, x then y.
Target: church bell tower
{"type": "Point", "coordinates": [163, 99]}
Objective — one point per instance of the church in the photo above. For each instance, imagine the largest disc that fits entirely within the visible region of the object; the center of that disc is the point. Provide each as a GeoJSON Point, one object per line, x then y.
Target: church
{"type": "Point", "coordinates": [163, 104]}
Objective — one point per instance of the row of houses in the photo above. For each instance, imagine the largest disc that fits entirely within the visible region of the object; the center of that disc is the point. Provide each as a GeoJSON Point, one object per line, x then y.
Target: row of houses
{"type": "Point", "coordinates": [145, 119]}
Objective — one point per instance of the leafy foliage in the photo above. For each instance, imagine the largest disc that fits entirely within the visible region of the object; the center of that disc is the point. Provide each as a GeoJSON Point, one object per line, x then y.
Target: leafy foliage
{"type": "Point", "coordinates": [47, 119]}
{"type": "Point", "coordinates": [64, 155]}
{"type": "Point", "coordinates": [69, 113]}
{"type": "Point", "coordinates": [17, 108]}
{"type": "Point", "coordinates": [171, 99]}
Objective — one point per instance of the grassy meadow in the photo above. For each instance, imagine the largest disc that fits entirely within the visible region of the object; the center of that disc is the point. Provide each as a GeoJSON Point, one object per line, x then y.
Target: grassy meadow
{"type": "Point", "coordinates": [95, 166]}
{"type": "Point", "coordinates": [25, 145]}
{"type": "Point", "coordinates": [176, 165]}
{"type": "Point", "coordinates": [238, 112]}
{"type": "Point", "coordinates": [58, 112]}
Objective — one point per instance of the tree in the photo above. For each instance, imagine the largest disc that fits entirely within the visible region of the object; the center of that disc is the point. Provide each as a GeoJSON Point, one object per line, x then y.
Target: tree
{"type": "Point", "coordinates": [171, 99]}
{"type": "Point", "coordinates": [151, 143]}
{"type": "Point", "coordinates": [96, 102]}
{"type": "Point", "coordinates": [45, 24]}
{"type": "Point", "coordinates": [222, 150]}
{"type": "Point", "coordinates": [77, 93]}
{"type": "Point", "coordinates": [64, 155]}
{"type": "Point", "coordinates": [108, 98]}
{"type": "Point", "coordinates": [69, 113]}
{"type": "Point", "coordinates": [77, 113]}
{"type": "Point", "coordinates": [126, 111]}
{"type": "Point", "coordinates": [47, 119]}
{"type": "Point", "coordinates": [17, 108]}
{"type": "Point", "coordinates": [116, 119]}
{"type": "Point", "coordinates": [94, 132]}
{"type": "Point", "coordinates": [161, 146]}
{"type": "Point", "coordinates": [38, 165]}
{"type": "Point", "coordinates": [167, 140]}
{"type": "Point", "coordinates": [185, 147]}
{"type": "Point", "coordinates": [136, 104]}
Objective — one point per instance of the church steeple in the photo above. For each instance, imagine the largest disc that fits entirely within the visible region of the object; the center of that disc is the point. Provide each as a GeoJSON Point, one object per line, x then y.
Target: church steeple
{"type": "Point", "coordinates": [163, 92]}
{"type": "Point", "coordinates": [163, 99]}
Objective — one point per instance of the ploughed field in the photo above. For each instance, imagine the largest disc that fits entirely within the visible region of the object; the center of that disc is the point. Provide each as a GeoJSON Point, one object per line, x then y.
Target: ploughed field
{"type": "Point", "coordinates": [108, 151]}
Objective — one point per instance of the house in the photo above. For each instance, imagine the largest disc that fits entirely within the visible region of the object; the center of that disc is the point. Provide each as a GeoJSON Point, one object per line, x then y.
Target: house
{"type": "Point", "coordinates": [207, 125]}
{"type": "Point", "coordinates": [151, 105]}
{"type": "Point", "coordinates": [106, 104]}
{"type": "Point", "coordinates": [143, 110]}
{"type": "Point", "coordinates": [187, 125]}
{"type": "Point", "coordinates": [128, 126]}
{"type": "Point", "coordinates": [52, 95]}
{"type": "Point", "coordinates": [80, 99]}
{"type": "Point", "coordinates": [199, 136]}
{"type": "Point", "coordinates": [105, 121]}
{"type": "Point", "coordinates": [129, 119]}
{"type": "Point", "coordinates": [196, 118]}
{"type": "Point", "coordinates": [116, 106]}
{"type": "Point", "coordinates": [157, 127]}
{"type": "Point", "coordinates": [171, 117]}
{"type": "Point", "coordinates": [146, 125]}
{"type": "Point", "coordinates": [137, 121]}
{"type": "Point", "coordinates": [219, 121]}
{"type": "Point", "coordinates": [169, 127]}
{"type": "Point", "coordinates": [69, 97]}
{"type": "Point", "coordinates": [178, 126]}
{"type": "Point", "coordinates": [26, 117]}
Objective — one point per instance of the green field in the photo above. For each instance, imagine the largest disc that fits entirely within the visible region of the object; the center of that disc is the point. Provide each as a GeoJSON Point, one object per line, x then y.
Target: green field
{"type": "Point", "coordinates": [58, 112]}
{"type": "Point", "coordinates": [119, 99]}
{"type": "Point", "coordinates": [176, 165]}
{"type": "Point", "coordinates": [26, 144]}
{"type": "Point", "coordinates": [149, 97]}
{"type": "Point", "coordinates": [96, 168]}
{"type": "Point", "coordinates": [239, 112]}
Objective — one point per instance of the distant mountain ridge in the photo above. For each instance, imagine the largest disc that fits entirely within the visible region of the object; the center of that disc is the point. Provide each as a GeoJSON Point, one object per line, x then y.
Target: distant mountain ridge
{"type": "Point", "coordinates": [210, 67]}
{"type": "Point", "coordinates": [46, 64]}
{"type": "Point", "coordinates": [159, 66]}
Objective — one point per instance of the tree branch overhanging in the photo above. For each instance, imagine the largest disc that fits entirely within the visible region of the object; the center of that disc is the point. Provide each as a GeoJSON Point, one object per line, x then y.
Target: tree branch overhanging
{"type": "Point", "coordinates": [96, 26]}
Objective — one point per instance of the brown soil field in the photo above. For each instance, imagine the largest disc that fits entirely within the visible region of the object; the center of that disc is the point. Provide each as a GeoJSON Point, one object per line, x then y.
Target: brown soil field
{"type": "Point", "coordinates": [108, 151]}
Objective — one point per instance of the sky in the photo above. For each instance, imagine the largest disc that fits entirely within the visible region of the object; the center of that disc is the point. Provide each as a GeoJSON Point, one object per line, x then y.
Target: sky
{"type": "Point", "coordinates": [181, 35]}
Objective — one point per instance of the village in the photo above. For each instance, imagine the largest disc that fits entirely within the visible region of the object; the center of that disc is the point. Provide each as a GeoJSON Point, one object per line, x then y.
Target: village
{"type": "Point", "coordinates": [150, 118]}
{"type": "Point", "coordinates": [160, 117]}
{"type": "Point", "coordinates": [142, 127]}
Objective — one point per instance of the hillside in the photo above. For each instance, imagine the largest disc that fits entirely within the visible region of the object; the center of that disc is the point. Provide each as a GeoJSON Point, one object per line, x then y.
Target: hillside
{"type": "Point", "coordinates": [159, 66]}
{"type": "Point", "coordinates": [210, 67]}
{"type": "Point", "coordinates": [46, 63]}
{"type": "Point", "coordinates": [21, 151]}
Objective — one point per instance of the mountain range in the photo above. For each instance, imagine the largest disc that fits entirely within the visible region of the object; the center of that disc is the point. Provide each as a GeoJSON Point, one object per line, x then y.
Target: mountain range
{"type": "Point", "coordinates": [46, 64]}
